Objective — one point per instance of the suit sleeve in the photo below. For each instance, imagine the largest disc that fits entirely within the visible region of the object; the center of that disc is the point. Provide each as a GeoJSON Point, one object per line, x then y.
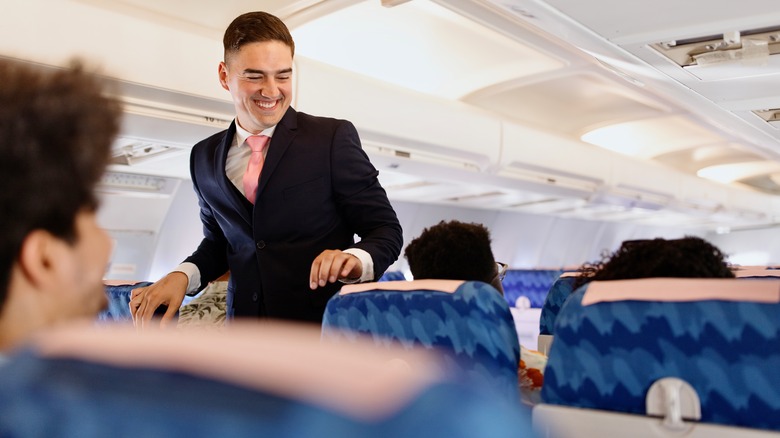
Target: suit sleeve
{"type": "Point", "coordinates": [211, 255]}
{"type": "Point", "coordinates": [362, 201]}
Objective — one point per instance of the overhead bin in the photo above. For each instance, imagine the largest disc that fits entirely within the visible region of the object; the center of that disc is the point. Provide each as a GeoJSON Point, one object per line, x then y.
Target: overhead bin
{"type": "Point", "coordinates": [641, 183]}
{"type": "Point", "coordinates": [700, 197]}
{"type": "Point", "coordinates": [750, 206]}
{"type": "Point", "coordinates": [394, 121]}
{"type": "Point", "coordinates": [119, 39]}
{"type": "Point", "coordinates": [532, 155]}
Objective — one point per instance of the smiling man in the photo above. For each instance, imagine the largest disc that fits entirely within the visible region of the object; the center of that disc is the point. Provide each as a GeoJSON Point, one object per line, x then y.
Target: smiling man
{"type": "Point", "coordinates": [282, 195]}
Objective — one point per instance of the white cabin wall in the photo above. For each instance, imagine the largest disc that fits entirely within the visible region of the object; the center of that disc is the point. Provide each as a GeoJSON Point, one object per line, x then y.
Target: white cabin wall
{"type": "Point", "coordinates": [749, 247]}
{"type": "Point", "coordinates": [180, 233]}
{"type": "Point", "coordinates": [526, 240]}
{"type": "Point", "coordinates": [522, 240]}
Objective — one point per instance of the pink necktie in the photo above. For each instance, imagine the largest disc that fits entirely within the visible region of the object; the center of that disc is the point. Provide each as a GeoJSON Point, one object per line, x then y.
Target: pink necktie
{"type": "Point", "coordinates": [257, 143]}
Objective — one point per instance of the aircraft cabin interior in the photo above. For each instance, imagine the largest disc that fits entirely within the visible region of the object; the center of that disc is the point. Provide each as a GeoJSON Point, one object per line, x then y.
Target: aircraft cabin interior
{"type": "Point", "coordinates": [565, 127]}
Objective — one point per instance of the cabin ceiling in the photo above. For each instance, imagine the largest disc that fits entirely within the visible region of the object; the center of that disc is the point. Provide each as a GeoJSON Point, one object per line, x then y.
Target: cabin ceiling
{"type": "Point", "coordinates": [570, 67]}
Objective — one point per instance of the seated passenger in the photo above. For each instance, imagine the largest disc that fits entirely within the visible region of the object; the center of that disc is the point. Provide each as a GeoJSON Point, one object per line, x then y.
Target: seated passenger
{"type": "Point", "coordinates": [456, 250]}
{"type": "Point", "coordinates": [56, 130]}
{"type": "Point", "coordinates": [689, 257]}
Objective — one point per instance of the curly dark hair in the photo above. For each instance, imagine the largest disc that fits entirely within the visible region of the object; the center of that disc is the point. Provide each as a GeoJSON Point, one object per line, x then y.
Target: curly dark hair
{"type": "Point", "coordinates": [452, 250]}
{"type": "Point", "coordinates": [56, 130]}
{"type": "Point", "coordinates": [689, 257]}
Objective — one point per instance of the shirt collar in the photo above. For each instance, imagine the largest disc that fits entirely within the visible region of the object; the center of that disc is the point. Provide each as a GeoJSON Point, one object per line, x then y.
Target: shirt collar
{"type": "Point", "coordinates": [242, 134]}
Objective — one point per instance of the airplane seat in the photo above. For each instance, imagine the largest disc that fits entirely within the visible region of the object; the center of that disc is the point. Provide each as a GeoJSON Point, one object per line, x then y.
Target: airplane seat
{"type": "Point", "coordinates": [392, 276]}
{"type": "Point", "coordinates": [118, 294]}
{"type": "Point", "coordinates": [254, 379]}
{"type": "Point", "coordinates": [559, 292]}
{"type": "Point", "coordinates": [618, 342]}
{"type": "Point", "coordinates": [757, 273]}
{"type": "Point", "coordinates": [532, 284]}
{"type": "Point", "coordinates": [468, 322]}
{"type": "Point", "coordinates": [525, 290]}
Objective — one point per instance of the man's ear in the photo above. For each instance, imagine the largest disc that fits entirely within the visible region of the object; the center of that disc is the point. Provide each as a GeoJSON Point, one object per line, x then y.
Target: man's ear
{"type": "Point", "coordinates": [223, 75]}
{"type": "Point", "coordinates": [37, 257]}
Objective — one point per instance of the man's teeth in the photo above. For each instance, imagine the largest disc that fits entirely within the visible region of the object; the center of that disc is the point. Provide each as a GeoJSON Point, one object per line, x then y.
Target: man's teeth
{"type": "Point", "coordinates": [267, 104]}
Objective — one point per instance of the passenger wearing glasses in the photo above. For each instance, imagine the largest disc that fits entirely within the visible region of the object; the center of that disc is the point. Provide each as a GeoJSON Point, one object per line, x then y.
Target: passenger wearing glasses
{"type": "Point", "coordinates": [455, 250]}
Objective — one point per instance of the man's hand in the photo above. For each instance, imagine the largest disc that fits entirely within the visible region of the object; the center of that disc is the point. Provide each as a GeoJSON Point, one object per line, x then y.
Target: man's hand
{"type": "Point", "coordinates": [169, 290]}
{"type": "Point", "coordinates": [332, 265]}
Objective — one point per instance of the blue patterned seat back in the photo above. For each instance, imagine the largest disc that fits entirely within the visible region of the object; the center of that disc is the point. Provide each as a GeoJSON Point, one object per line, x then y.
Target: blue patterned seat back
{"type": "Point", "coordinates": [472, 326]}
{"type": "Point", "coordinates": [392, 276]}
{"type": "Point", "coordinates": [530, 283]}
{"type": "Point", "coordinates": [607, 355]}
{"type": "Point", "coordinates": [124, 393]}
{"type": "Point", "coordinates": [559, 292]}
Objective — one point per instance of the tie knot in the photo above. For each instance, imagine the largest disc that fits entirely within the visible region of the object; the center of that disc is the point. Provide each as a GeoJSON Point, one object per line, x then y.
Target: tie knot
{"type": "Point", "coordinates": [257, 142]}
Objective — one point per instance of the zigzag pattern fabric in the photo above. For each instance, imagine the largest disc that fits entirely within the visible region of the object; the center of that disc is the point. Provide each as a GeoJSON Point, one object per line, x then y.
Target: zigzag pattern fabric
{"type": "Point", "coordinates": [392, 276]}
{"type": "Point", "coordinates": [473, 327]}
{"type": "Point", "coordinates": [119, 302]}
{"type": "Point", "coordinates": [606, 356]}
{"type": "Point", "coordinates": [559, 292]}
{"type": "Point", "coordinates": [531, 283]}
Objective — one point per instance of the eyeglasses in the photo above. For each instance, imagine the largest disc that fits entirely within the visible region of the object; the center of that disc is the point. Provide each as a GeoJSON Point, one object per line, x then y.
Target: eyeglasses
{"type": "Point", "coordinates": [501, 269]}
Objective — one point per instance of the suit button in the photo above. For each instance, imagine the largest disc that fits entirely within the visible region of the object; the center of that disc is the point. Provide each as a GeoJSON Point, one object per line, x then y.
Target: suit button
{"type": "Point", "coordinates": [254, 297]}
{"type": "Point", "coordinates": [260, 244]}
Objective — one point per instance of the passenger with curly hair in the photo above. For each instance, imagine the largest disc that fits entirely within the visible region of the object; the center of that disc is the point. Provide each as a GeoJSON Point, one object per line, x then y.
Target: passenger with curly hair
{"type": "Point", "coordinates": [689, 257]}
{"type": "Point", "coordinates": [56, 130]}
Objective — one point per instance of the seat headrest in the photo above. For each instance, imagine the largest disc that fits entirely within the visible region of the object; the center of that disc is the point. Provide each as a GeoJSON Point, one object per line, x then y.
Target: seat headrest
{"type": "Point", "coordinates": [449, 286]}
{"type": "Point", "coordinates": [682, 289]}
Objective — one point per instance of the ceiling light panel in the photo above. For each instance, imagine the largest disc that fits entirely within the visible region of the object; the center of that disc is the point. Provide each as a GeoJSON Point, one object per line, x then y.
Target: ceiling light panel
{"type": "Point", "coordinates": [652, 137]}
{"type": "Point", "coordinates": [728, 173]}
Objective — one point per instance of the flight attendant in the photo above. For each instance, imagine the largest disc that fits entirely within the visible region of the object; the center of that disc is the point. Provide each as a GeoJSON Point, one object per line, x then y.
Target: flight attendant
{"type": "Point", "coordinates": [287, 235]}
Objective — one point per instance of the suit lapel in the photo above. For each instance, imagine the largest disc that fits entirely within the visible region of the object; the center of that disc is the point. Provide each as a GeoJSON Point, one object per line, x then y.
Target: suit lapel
{"type": "Point", "coordinates": [220, 159]}
{"type": "Point", "coordinates": [280, 142]}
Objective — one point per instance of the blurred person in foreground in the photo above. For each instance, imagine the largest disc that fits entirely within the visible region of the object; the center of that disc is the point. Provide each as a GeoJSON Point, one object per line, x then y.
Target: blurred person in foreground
{"type": "Point", "coordinates": [56, 130]}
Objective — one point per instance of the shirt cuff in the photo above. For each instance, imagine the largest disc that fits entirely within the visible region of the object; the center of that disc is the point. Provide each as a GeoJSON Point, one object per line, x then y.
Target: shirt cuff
{"type": "Point", "coordinates": [193, 276]}
{"type": "Point", "coordinates": [367, 263]}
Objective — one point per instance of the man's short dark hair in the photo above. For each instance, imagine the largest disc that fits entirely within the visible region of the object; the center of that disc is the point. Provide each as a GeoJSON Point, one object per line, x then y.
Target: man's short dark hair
{"type": "Point", "coordinates": [255, 27]}
{"type": "Point", "coordinates": [454, 251]}
{"type": "Point", "coordinates": [56, 130]}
